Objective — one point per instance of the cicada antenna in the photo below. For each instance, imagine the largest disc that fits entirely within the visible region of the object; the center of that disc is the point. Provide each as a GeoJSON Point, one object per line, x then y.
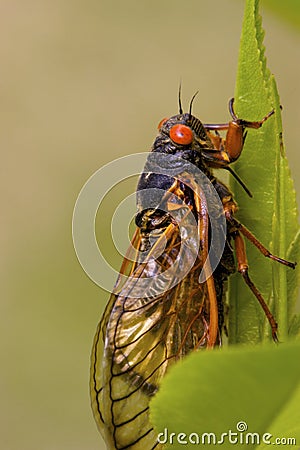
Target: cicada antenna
{"type": "Point", "coordinates": [179, 99]}
{"type": "Point", "coordinates": [191, 103]}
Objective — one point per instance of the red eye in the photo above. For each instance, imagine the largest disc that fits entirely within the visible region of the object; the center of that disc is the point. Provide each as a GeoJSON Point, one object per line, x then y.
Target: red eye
{"type": "Point", "coordinates": [161, 123]}
{"type": "Point", "coordinates": [181, 134]}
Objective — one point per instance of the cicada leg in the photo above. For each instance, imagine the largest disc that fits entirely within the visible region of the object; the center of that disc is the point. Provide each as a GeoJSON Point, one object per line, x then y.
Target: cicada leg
{"type": "Point", "coordinates": [240, 250]}
{"type": "Point", "coordinates": [243, 230]}
{"type": "Point", "coordinates": [227, 150]}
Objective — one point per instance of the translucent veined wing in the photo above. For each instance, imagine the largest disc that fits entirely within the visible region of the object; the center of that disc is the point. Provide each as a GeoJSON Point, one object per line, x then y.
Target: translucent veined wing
{"type": "Point", "coordinates": [143, 330]}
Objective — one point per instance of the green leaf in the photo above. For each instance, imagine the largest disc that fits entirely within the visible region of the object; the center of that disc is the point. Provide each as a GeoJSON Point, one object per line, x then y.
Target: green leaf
{"type": "Point", "coordinates": [210, 392]}
{"type": "Point", "coordinates": [271, 215]}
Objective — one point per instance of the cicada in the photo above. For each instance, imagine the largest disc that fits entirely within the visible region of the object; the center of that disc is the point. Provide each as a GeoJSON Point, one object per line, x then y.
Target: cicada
{"type": "Point", "coordinates": [169, 297]}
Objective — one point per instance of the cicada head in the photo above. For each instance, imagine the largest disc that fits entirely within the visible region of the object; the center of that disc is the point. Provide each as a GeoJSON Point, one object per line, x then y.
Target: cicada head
{"type": "Point", "coordinates": [180, 133]}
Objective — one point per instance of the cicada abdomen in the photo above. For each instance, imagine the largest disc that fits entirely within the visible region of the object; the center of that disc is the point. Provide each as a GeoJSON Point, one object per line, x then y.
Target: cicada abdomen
{"type": "Point", "coordinates": [168, 299]}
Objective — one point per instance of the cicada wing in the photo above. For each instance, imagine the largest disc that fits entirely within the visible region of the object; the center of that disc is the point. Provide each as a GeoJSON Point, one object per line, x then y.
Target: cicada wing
{"type": "Point", "coordinates": [136, 341]}
{"type": "Point", "coordinates": [156, 315]}
{"type": "Point", "coordinates": [97, 356]}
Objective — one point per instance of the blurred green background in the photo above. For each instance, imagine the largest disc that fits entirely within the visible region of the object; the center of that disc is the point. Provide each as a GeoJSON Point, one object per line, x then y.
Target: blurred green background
{"type": "Point", "coordinates": [82, 83]}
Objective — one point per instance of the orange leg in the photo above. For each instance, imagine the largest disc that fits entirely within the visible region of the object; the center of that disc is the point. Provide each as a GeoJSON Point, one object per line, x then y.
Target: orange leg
{"type": "Point", "coordinates": [238, 226]}
{"type": "Point", "coordinates": [240, 252]}
{"type": "Point", "coordinates": [229, 149]}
